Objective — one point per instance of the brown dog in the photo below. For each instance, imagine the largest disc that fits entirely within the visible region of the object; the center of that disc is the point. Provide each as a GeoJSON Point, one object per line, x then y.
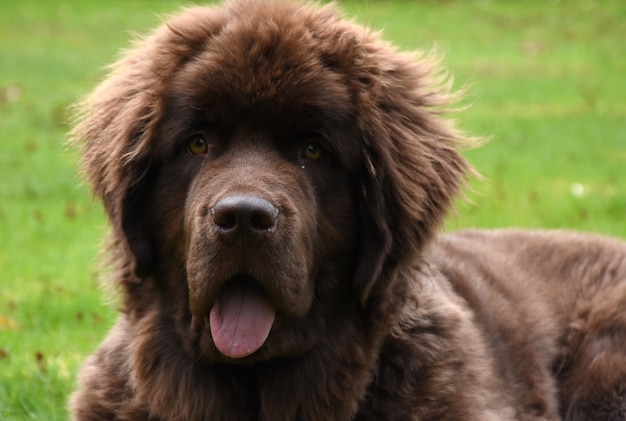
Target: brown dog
{"type": "Point", "coordinates": [274, 177]}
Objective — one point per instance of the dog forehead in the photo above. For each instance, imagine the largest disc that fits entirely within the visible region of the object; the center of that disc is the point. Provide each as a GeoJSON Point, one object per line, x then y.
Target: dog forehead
{"type": "Point", "coordinates": [274, 56]}
{"type": "Point", "coordinates": [275, 65]}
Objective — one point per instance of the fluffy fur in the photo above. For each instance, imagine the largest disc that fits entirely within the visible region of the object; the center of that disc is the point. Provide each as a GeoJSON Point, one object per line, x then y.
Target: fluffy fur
{"type": "Point", "coordinates": [277, 150]}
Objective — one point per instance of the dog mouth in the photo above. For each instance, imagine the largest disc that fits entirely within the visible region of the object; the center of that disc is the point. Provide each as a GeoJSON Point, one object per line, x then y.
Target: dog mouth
{"type": "Point", "coordinates": [241, 319]}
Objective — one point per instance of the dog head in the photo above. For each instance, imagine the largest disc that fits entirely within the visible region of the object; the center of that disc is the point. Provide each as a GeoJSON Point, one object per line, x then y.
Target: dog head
{"type": "Point", "coordinates": [272, 157]}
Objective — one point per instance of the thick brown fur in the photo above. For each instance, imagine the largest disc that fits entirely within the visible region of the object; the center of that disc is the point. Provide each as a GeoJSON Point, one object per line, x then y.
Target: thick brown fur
{"type": "Point", "coordinates": [339, 135]}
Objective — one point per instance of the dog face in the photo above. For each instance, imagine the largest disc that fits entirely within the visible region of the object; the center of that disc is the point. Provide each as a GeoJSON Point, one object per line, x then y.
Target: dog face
{"type": "Point", "coordinates": [266, 169]}
{"type": "Point", "coordinates": [268, 218]}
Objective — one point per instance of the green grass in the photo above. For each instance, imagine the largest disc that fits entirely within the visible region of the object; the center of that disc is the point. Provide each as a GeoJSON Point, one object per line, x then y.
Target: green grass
{"type": "Point", "coordinates": [547, 86]}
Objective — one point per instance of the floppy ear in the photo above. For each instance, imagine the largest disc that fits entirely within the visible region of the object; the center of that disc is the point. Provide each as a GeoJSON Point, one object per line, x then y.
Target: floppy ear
{"type": "Point", "coordinates": [117, 126]}
{"type": "Point", "coordinates": [412, 168]}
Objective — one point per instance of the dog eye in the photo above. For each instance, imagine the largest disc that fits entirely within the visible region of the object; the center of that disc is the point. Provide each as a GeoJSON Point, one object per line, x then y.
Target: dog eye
{"type": "Point", "coordinates": [313, 152]}
{"type": "Point", "coordinates": [197, 145]}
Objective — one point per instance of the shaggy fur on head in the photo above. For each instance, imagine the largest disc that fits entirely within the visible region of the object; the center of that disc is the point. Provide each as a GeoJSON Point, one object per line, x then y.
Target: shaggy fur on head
{"type": "Point", "coordinates": [274, 177]}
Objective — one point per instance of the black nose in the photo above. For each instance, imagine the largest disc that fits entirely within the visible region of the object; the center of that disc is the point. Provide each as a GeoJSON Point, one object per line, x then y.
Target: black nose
{"type": "Point", "coordinates": [242, 217]}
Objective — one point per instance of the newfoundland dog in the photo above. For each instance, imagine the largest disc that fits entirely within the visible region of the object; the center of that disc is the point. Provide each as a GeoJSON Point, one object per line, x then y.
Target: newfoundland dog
{"type": "Point", "coordinates": [274, 177]}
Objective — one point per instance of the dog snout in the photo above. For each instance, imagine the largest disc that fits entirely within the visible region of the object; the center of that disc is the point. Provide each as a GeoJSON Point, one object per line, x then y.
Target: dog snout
{"type": "Point", "coordinates": [244, 218]}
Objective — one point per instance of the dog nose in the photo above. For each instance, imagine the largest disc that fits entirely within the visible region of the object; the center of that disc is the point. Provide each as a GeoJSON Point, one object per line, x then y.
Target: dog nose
{"type": "Point", "coordinates": [242, 217]}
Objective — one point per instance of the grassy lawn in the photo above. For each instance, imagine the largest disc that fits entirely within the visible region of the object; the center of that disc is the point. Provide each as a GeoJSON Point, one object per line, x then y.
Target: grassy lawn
{"type": "Point", "coordinates": [547, 87]}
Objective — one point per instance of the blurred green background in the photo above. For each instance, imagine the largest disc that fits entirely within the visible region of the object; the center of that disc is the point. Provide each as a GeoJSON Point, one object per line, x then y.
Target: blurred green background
{"type": "Point", "coordinates": [547, 86]}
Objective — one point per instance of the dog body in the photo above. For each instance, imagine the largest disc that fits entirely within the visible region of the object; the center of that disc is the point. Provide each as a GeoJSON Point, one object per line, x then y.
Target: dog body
{"type": "Point", "coordinates": [274, 177]}
{"type": "Point", "coordinates": [469, 343]}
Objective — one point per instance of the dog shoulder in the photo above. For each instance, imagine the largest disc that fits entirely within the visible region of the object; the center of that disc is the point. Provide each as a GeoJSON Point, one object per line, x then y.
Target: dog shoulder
{"type": "Point", "coordinates": [105, 387]}
{"type": "Point", "coordinates": [436, 349]}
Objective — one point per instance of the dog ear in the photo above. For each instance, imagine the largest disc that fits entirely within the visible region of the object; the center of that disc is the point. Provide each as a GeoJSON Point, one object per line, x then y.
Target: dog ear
{"type": "Point", "coordinates": [133, 224]}
{"type": "Point", "coordinates": [116, 131]}
{"type": "Point", "coordinates": [375, 240]}
{"type": "Point", "coordinates": [117, 125]}
{"type": "Point", "coordinates": [412, 168]}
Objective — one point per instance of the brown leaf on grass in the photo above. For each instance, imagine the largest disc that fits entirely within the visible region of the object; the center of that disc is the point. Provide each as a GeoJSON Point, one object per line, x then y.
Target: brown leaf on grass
{"type": "Point", "coordinates": [7, 323]}
{"type": "Point", "coordinates": [37, 215]}
{"type": "Point", "coordinates": [40, 358]}
{"type": "Point", "coordinates": [70, 210]}
{"type": "Point", "coordinates": [31, 146]}
{"type": "Point", "coordinates": [4, 354]}
{"type": "Point", "coordinates": [11, 93]}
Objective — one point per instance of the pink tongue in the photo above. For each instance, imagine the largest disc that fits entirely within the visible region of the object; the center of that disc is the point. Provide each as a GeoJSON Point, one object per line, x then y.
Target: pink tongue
{"type": "Point", "coordinates": [241, 320]}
